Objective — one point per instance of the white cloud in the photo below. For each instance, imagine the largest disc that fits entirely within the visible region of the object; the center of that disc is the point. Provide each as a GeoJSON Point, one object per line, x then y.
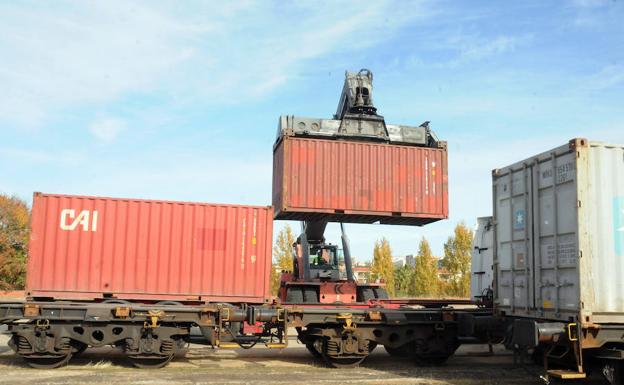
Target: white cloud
{"type": "Point", "coordinates": [474, 48]}
{"type": "Point", "coordinates": [594, 14]}
{"type": "Point", "coordinates": [498, 45]}
{"type": "Point", "coordinates": [76, 54]}
{"type": "Point", "coordinates": [463, 47]}
{"type": "Point", "coordinates": [87, 53]}
{"type": "Point", "coordinates": [107, 129]}
{"type": "Point", "coordinates": [609, 76]}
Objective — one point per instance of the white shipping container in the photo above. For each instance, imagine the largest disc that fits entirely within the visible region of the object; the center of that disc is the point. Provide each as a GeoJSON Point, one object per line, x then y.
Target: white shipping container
{"type": "Point", "coordinates": [482, 259]}
{"type": "Point", "coordinates": [559, 234]}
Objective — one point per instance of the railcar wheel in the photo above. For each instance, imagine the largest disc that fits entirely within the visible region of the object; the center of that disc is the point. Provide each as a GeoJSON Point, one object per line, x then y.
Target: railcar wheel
{"type": "Point", "coordinates": [336, 357]}
{"type": "Point", "coordinates": [150, 361]}
{"type": "Point", "coordinates": [78, 348]}
{"type": "Point", "coordinates": [613, 371]}
{"type": "Point", "coordinates": [47, 361]}
{"type": "Point", "coordinates": [312, 349]}
{"type": "Point", "coordinates": [343, 362]}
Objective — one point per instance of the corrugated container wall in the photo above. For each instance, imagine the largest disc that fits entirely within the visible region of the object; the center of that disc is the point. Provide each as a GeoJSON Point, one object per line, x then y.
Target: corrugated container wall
{"type": "Point", "coordinates": [363, 182]}
{"type": "Point", "coordinates": [91, 247]}
{"type": "Point", "coordinates": [559, 234]}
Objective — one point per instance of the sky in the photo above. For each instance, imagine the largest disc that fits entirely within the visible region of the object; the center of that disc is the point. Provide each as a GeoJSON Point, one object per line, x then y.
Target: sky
{"type": "Point", "coordinates": [180, 100]}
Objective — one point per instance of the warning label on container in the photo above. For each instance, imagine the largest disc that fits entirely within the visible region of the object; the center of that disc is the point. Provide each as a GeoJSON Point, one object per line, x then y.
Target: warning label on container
{"type": "Point", "coordinates": [519, 219]}
{"type": "Point", "coordinates": [618, 225]}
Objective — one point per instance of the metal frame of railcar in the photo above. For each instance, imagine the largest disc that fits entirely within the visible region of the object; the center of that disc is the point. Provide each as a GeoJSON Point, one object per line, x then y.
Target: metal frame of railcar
{"type": "Point", "coordinates": [49, 334]}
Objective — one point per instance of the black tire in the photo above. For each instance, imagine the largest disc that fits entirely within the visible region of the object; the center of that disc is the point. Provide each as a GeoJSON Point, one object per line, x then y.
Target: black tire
{"type": "Point", "coordinates": [365, 294]}
{"type": "Point", "coordinates": [310, 295]}
{"type": "Point", "coordinates": [380, 293]}
{"type": "Point", "coordinates": [294, 295]}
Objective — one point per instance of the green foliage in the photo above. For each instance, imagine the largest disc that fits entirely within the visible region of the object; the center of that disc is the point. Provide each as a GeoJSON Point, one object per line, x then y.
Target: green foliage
{"type": "Point", "coordinates": [282, 257]}
{"type": "Point", "coordinates": [457, 261]}
{"type": "Point", "coordinates": [425, 280]}
{"type": "Point", "coordinates": [382, 267]}
{"type": "Point", "coordinates": [403, 281]}
{"type": "Point", "coordinates": [14, 233]}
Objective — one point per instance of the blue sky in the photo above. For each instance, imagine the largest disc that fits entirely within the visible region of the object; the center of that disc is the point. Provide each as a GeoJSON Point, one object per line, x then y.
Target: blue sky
{"type": "Point", "coordinates": [180, 101]}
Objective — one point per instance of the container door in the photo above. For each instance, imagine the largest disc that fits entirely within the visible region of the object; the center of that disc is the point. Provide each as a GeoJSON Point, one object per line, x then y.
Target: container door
{"type": "Point", "coordinates": [514, 253]}
{"type": "Point", "coordinates": [482, 254]}
{"type": "Point", "coordinates": [603, 220]}
{"type": "Point", "coordinates": [556, 235]}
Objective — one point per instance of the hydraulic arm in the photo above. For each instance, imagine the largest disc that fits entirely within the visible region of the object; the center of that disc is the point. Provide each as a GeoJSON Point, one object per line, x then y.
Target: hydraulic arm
{"type": "Point", "coordinates": [312, 238]}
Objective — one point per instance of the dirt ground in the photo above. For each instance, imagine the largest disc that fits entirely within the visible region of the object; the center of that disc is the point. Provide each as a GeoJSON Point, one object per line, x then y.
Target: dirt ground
{"type": "Point", "coordinates": [264, 366]}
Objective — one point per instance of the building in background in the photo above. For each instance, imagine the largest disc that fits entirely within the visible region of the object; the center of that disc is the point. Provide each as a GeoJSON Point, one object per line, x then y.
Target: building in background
{"type": "Point", "coordinates": [362, 272]}
{"type": "Point", "coordinates": [410, 260]}
{"type": "Point", "coordinates": [442, 272]}
{"type": "Point", "coordinates": [398, 262]}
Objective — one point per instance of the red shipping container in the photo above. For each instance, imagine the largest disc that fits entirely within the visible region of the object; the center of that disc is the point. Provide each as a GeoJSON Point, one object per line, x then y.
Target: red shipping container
{"type": "Point", "coordinates": [92, 247]}
{"type": "Point", "coordinates": [361, 182]}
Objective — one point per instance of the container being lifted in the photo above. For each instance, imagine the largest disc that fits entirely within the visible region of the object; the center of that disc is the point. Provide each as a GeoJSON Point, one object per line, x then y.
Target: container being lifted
{"type": "Point", "coordinates": [103, 249]}
{"type": "Point", "coordinates": [353, 168]}
{"type": "Point", "coordinates": [356, 168]}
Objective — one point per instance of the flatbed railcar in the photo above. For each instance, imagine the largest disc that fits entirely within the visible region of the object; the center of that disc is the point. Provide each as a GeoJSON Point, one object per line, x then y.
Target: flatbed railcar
{"type": "Point", "coordinates": [49, 334]}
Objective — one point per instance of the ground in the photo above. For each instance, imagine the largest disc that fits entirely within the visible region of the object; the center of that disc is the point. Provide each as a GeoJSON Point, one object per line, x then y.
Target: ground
{"type": "Point", "coordinates": [202, 364]}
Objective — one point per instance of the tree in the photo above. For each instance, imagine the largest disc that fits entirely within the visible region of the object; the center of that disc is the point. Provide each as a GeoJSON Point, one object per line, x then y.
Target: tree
{"type": "Point", "coordinates": [282, 256]}
{"type": "Point", "coordinates": [425, 281]}
{"type": "Point", "coordinates": [14, 233]}
{"type": "Point", "coordinates": [403, 280]}
{"type": "Point", "coordinates": [382, 267]}
{"type": "Point", "coordinates": [457, 261]}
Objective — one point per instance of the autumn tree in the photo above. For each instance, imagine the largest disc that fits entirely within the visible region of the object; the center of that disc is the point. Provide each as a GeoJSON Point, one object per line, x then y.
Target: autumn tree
{"type": "Point", "coordinates": [425, 280]}
{"type": "Point", "coordinates": [382, 267]}
{"type": "Point", "coordinates": [403, 280]}
{"type": "Point", "coordinates": [14, 232]}
{"type": "Point", "coordinates": [282, 256]}
{"type": "Point", "coordinates": [457, 261]}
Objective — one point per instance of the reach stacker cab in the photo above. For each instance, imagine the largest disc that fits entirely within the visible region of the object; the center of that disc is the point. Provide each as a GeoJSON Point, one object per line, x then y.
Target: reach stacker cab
{"type": "Point", "coordinates": [317, 276]}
